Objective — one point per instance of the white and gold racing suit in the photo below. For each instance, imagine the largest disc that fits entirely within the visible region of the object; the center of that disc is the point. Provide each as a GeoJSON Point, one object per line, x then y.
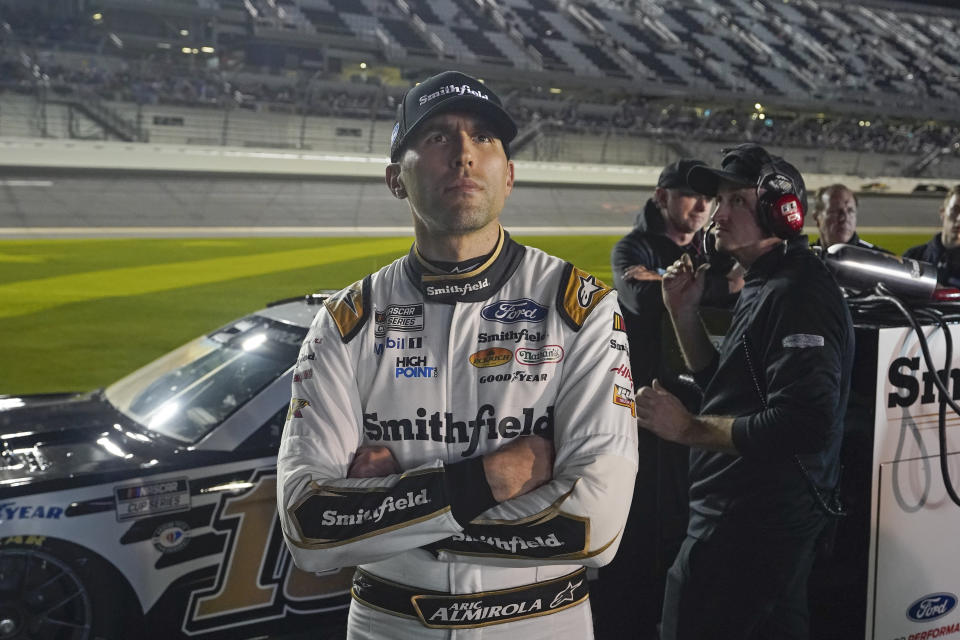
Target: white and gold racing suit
{"type": "Point", "coordinates": [442, 369]}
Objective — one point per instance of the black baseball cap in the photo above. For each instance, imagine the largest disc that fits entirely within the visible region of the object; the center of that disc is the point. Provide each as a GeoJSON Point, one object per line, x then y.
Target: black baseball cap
{"type": "Point", "coordinates": [742, 165]}
{"type": "Point", "coordinates": [444, 92]}
{"type": "Point", "coordinates": [674, 175]}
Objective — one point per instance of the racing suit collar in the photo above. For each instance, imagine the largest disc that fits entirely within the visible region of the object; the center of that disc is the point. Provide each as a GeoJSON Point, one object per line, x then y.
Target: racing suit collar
{"type": "Point", "coordinates": [471, 286]}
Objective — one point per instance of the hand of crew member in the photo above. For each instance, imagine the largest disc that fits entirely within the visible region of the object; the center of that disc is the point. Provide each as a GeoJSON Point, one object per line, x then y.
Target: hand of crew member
{"type": "Point", "coordinates": [373, 462]}
{"type": "Point", "coordinates": [661, 412]}
{"type": "Point", "coordinates": [640, 272]}
{"type": "Point", "coordinates": [735, 279]}
{"type": "Point", "coordinates": [519, 467]}
{"type": "Point", "coordinates": [683, 285]}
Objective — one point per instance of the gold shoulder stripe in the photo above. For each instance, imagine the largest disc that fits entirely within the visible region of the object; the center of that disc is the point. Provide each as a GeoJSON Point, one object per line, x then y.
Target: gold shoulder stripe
{"type": "Point", "coordinates": [349, 309]}
{"type": "Point", "coordinates": [579, 293]}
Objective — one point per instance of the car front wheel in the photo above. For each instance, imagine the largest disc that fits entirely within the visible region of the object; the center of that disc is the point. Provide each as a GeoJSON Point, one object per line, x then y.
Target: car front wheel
{"type": "Point", "coordinates": [43, 597]}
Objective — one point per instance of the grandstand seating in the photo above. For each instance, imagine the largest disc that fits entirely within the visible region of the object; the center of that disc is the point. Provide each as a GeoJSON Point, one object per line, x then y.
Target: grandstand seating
{"type": "Point", "coordinates": [893, 62]}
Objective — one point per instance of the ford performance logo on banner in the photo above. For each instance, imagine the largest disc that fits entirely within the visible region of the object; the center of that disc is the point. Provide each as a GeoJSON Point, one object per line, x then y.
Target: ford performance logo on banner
{"type": "Point", "coordinates": [931, 607]}
{"type": "Point", "coordinates": [511, 311]}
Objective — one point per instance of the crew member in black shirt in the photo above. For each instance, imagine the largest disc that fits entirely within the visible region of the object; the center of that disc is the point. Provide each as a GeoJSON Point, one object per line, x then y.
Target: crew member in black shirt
{"type": "Point", "coordinates": [765, 445]}
{"type": "Point", "coordinates": [627, 598]}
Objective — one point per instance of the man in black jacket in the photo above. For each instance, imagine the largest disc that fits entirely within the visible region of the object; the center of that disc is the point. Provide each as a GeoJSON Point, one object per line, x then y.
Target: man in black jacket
{"type": "Point", "coordinates": [835, 212]}
{"type": "Point", "coordinates": [765, 445]}
{"type": "Point", "coordinates": [628, 596]}
{"type": "Point", "coordinates": [943, 249]}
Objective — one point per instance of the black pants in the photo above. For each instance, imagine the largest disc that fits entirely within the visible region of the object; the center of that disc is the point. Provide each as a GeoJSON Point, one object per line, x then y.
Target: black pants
{"type": "Point", "coordinates": [743, 583]}
{"type": "Point", "coordinates": [628, 597]}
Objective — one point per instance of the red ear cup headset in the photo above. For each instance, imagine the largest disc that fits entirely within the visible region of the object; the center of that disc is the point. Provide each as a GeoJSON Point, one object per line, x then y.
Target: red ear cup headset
{"type": "Point", "coordinates": [781, 199]}
{"type": "Point", "coordinates": [781, 196]}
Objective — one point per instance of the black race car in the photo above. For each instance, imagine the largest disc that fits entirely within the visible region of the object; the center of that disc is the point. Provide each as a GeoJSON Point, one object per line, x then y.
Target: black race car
{"type": "Point", "coordinates": [148, 509]}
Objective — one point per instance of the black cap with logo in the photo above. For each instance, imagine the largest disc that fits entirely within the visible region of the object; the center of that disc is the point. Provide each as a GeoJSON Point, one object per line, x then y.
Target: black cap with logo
{"type": "Point", "coordinates": [741, 165]}
{"type": "Point", "coordinates": [674, 175]}
{"type": "Point", "coordinates": [444, 92]}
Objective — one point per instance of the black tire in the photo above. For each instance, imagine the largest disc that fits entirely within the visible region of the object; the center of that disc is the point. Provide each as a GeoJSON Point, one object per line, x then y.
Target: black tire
{"type": "Point", "coordinates": [51, 597]}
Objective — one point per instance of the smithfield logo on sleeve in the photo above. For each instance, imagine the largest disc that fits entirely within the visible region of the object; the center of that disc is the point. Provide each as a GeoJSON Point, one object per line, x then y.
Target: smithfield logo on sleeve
{"type": "Point", "coordinates": [332, 517]}
{"type": "Point", "coordinates": [414, 367]}
{"type": "Point", "coordinates": [548, 354]}
{"type": "Point", "coordinates": [931, 607]}
{"type": "Point", "coordinates": [137, 501]}
{"type": "Point", "coordinates": [512, 311]}
{"type": "Point", "coordinates": [492, 357]}
{"type": "Point", "coordinates": [616, 346]}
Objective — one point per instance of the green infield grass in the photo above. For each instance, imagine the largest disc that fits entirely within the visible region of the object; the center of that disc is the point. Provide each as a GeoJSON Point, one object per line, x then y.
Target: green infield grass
{"type": "Point", "coordinates": [78, 314]}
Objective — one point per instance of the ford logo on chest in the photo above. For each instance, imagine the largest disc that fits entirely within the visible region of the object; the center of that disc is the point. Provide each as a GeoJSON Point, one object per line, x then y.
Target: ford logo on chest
{"type": "Point", "coordinates": [511, 311]}
{"type": "Point", "coordinates": [931, 607]}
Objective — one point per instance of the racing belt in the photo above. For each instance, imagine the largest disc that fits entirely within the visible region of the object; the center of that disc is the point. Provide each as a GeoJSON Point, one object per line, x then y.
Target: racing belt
{"type": "Point", "coordinates": [441, 610]}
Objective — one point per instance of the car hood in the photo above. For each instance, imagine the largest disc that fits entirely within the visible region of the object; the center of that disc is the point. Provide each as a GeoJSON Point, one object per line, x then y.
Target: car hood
{"type": "Point", "coordinates": [63, 436]}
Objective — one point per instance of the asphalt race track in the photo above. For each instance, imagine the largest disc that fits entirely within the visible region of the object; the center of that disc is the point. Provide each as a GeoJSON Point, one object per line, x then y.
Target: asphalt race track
{"type": "Point", "coordinates": [161, 205]}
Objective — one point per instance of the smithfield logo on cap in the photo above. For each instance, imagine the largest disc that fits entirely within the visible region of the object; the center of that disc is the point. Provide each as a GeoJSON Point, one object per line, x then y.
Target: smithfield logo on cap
{"type": "Point", "coordinates": [931, 607]}
{"type": "Point", "coordinates": [396, 132]}
{"type": "Point", "coordinates": [452, 89]}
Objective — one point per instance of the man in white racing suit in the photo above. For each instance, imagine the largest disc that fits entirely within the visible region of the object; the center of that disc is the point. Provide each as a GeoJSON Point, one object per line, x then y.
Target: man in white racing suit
{"type": "Point", "coordinates": [462, 422]}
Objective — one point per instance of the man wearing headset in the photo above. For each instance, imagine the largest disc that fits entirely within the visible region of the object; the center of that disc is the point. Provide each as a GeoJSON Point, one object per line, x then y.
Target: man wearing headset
{"type": "Point", "coordinates": [765, 445]}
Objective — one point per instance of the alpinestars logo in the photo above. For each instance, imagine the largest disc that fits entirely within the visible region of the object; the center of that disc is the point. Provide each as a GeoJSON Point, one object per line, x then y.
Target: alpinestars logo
{"type": "Point", "coordinates": [588, 287]}
{"type": "Point", "coordinates": [566, 595]}
{"type": "Point", "coordinates": [452, 88]}
{"type": "Point", "coordinates": [443, 427]}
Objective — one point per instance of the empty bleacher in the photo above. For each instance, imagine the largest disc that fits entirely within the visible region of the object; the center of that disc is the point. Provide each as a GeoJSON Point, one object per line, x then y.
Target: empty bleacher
{"type": "Point", "coordinates": [408, 37]}
{"type": "Point", "coordinates": [602, 60]}
{"type": "Point", "coordinates": [480, 45]}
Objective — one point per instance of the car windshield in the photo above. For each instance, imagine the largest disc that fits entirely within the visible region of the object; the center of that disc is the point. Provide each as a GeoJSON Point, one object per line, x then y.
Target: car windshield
{"type": "Point", "coordinates": [189, 391]}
